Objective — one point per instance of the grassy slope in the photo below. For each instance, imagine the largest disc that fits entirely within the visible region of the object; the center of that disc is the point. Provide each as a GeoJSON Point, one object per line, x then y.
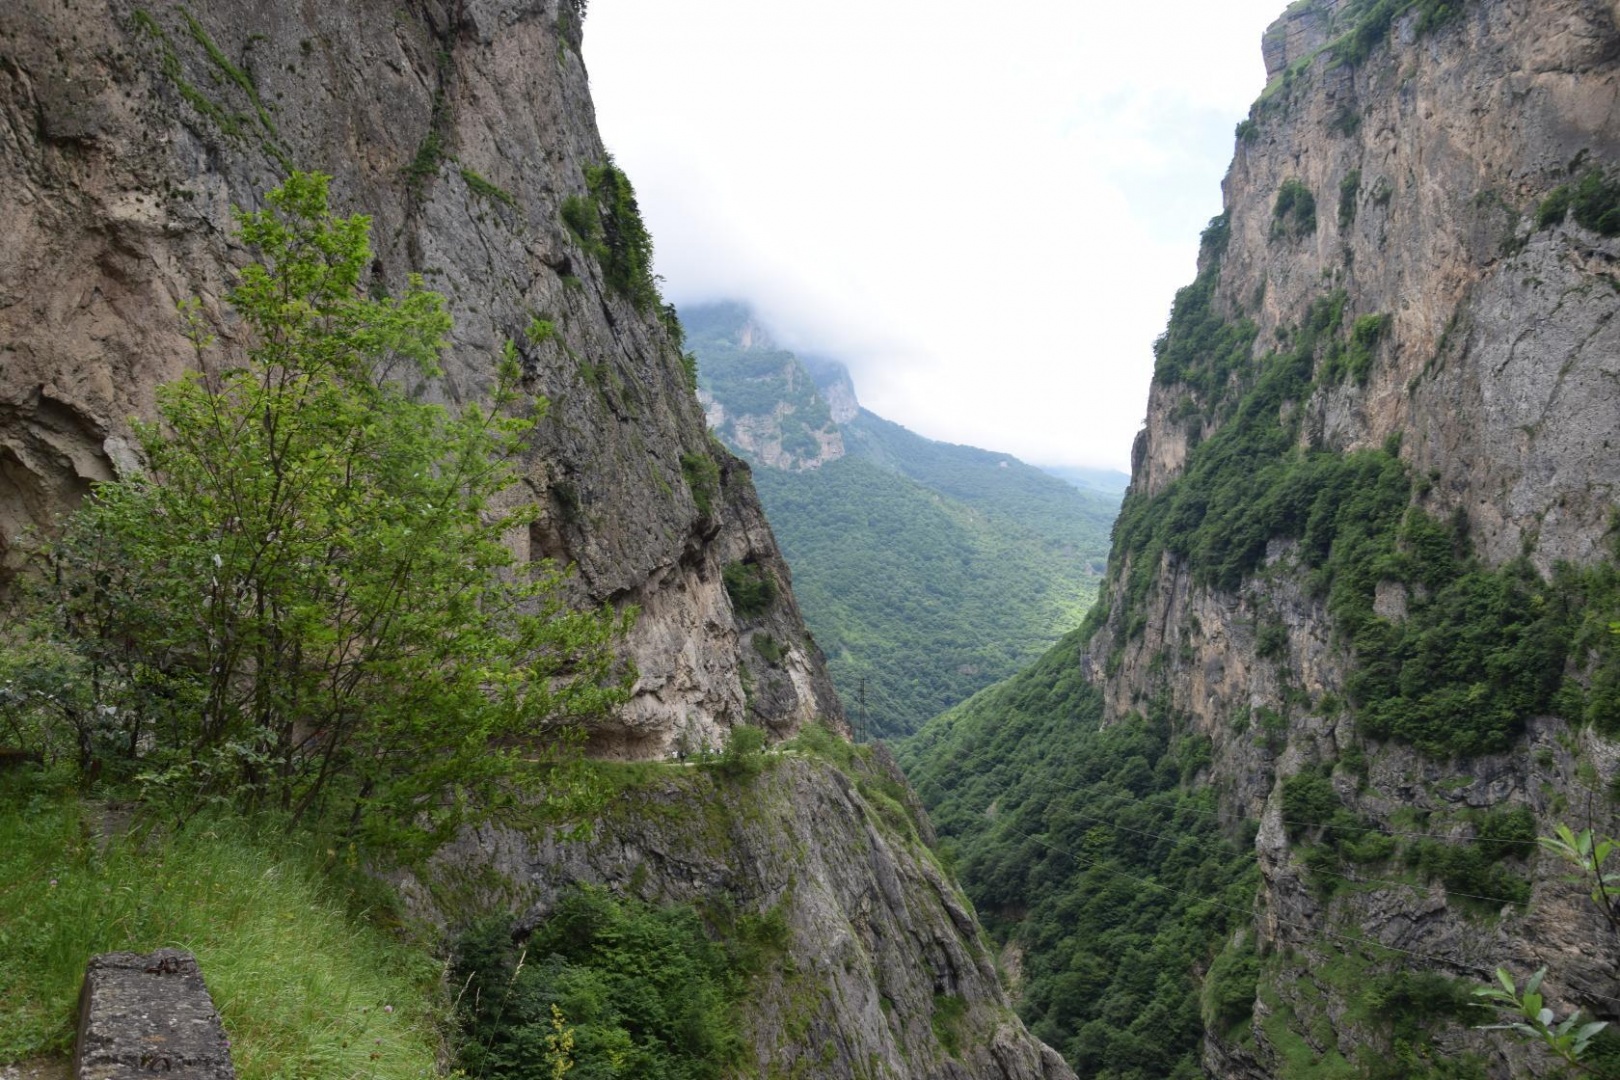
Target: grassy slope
{"type": "Point", "coordinates": [306, 984]}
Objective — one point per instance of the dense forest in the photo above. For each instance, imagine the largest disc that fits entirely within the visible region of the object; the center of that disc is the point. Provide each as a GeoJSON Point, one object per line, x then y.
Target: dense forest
{"type": "Point", "coordinates": [1097, 858]}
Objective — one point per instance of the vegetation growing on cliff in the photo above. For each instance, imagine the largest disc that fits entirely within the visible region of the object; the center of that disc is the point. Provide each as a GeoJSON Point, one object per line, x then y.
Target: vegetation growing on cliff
{"type": "Point", "coordinates": [1092, 851]}
{"type": "Point", "coordinates": [1594, 201]}
{"type": "Point", "coordinates": [1367, 23]}
{"type": "Point", "coordinates": [607, 224]}
{"type": "Point", "coordinates": [644, 991]}
{"type": "Point", "coordinates": [1480, 649]}
{"type": "Point", "coordinates": [304, 606]}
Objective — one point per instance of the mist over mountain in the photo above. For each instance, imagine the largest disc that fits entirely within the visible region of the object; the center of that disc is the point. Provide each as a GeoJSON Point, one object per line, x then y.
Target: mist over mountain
{"type": "Point", "coordinates": [926, 570]}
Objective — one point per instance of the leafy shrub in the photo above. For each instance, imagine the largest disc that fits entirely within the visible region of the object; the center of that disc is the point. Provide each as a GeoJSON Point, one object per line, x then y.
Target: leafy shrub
{"type": "Point", "coordinates": [1227, 997]}
{"type": "Point", "coordinates": [702, 475]}
{"type": "Point", "coordinates": [769, 649]}
{"type": "Point", "coordinates": [744, 755]}
{"type": "Point", "coordinates": [1294, 213]}
{"type": "Point", "coordinates": [947, 1016]}
{"type": "Point", "coordinates": [1308, 797]}
{"type": "Point", "coordinates": [1594, 200]}
{"type": "Point", "coordinates": [580, 214]}
{"type": "Point", "coordinates": [751, 587]}
{"type": "Point", "coordinates": [1349, 191]}
{"type": "Point", "coordinates": [259, 620]}
{"type": "Point", "coordinates": [486, 190]}
{"type": "Point", "coordinates": [1365, 334]}
{"type": "Point", "coordinates": [1469, 869]}
{"type": "Point", "coordinates": [644, 990]}
{"type": "Point", "coordinates": [1271, 643]}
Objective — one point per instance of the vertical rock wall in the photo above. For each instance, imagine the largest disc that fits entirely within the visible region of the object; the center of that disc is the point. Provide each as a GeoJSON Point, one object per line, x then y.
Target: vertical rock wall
{"type": "Point", "coordinates": [128, 133]}
{"type": "Point", "coordinates": [1496, 379]}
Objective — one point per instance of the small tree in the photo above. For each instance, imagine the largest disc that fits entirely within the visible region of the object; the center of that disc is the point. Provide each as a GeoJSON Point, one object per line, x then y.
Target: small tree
{"type": "Point", "coordinates": [305, 603]}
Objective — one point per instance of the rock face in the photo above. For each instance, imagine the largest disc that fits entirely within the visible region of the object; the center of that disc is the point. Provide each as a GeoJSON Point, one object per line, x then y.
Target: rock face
{"type": "Point", "coordinates": [129, 134]}
{"type": "Point", "coordinates": [761, 399]}
{"type": "Point", "coordinates": [1429, 151]}
{"type": "Point", "coordinates": [890, 975]}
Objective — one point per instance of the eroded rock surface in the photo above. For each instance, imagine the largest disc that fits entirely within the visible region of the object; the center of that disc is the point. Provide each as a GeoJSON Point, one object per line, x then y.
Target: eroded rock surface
{"type": "Point", "coordinates": [880, 937]}
{"type": "Point", "coordinates": [127, 135]}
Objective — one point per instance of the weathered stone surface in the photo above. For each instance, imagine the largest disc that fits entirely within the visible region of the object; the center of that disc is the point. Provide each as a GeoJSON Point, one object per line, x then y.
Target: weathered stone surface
{"type": "Point", "coordinates": [1500, 376]}
{"type": "Point", "coordinates": [879, 935]}
{"type": "Point", "coordinates": [141, 1015]}
{"type": "Point", "coordinates": [124, 143]}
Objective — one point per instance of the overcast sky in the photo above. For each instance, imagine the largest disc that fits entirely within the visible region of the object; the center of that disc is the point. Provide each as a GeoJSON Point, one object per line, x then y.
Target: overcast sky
{"type": "Point", "coordinates": [983, 209]}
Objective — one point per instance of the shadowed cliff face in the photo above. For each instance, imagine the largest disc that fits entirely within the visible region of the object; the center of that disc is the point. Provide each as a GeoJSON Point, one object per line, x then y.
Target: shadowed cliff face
{"type": "Point", "coordinates": [885, 971]}
{"type": "Point", "coordinates": [1479, 347]}
{"type": "Point", "coordinates": [129, 133]}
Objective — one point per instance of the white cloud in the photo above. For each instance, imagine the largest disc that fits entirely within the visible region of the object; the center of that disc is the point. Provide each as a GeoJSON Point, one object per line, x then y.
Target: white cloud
{"type": "Point", "coordinates": [984, 210]}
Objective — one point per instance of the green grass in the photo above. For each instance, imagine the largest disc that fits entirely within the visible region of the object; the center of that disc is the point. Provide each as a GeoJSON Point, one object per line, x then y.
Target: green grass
{"type": "Point", "coordinates": [306, 988]}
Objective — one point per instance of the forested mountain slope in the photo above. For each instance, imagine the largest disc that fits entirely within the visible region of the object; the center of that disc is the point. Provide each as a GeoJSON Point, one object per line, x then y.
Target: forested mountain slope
{"type": "Point", "coordinates": [1354, 652]}
{"type": "Point", "coordinates": [927, 570]}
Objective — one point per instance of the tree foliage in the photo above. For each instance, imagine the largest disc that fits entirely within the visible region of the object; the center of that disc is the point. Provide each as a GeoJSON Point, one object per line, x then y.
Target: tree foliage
{"type": "Point", "coordinates": [647, 992]}
{"type": "Point", "coordinates": [304, 603]}
{"type": "Point", "coordinates": [1091, 849]}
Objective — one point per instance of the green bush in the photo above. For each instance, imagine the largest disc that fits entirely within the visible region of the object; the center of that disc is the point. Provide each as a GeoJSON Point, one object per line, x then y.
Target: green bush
{"type": "Point", "coordinates": [607, 224]}
{"type": "Point", "coordinates": [1227, 997]}
{"type": "Point", "coordinates": [1294, 213]}
{"type": "Point", "coordinates": [751, 587]}
{"type": "Point", "coordinates": [643, 991]}
{"type": "Point", "coordinates": [1349, 191]}
{"type": "Point", "coordinates": [580, 214]}
{"type": "Point", "coordinates": [1594, 200]}
{"type": "Point", "coordinates": [744, 755]}
{"type": "Point", "coordinates": [261, 620]}
{"type": "Point", "coordinates": [702, 474]}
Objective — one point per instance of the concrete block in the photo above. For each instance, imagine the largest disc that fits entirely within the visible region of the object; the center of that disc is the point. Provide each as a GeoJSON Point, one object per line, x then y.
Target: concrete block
{"type": "Point", "coordinates": [145, 1015]}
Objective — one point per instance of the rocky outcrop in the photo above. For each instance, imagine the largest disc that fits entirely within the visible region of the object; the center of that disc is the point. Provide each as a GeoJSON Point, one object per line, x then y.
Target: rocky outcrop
{"type": "Point", "coordinates": [763, 401]}
{"type": "Point", "coordinates": [886, 972]}
{"type": "Point", "coordinates": [1428, 151]}
{"type": "Point", "coordinates": [128, 134]}
{"type": "Point", "coordinates": [837, 388]}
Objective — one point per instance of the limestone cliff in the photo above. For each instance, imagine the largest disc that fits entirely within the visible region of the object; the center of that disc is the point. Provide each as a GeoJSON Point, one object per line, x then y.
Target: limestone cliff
{"type": "Point", "coordinates": [761, 399]}
{"type": "Point", "coordinates": [128, 135]}
{"type": "Point", "coordinates": [1397, 291]}
{"type": "Point", "coordinates": [885, 971]}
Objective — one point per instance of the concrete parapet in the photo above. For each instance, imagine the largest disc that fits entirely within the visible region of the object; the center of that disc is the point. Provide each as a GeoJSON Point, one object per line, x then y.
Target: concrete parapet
{"type": "Point", "coordinates": [141, 1015]}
